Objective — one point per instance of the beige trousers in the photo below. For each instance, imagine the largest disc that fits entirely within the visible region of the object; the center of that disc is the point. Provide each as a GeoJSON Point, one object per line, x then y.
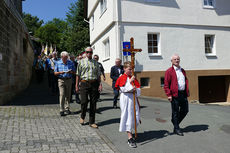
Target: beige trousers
{"type": "Point", "coordinates": [64, 93]}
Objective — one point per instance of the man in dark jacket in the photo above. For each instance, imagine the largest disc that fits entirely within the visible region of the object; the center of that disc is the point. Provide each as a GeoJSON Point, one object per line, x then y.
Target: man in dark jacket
{"type": "Point", "coordinates": [116, 71]}
{"type": "Point", "coordinates": [177, 91]}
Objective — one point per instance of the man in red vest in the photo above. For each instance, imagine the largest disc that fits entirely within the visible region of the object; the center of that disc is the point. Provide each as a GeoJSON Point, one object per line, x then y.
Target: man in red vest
{"type": "Point", "coordinates": [177, 91]}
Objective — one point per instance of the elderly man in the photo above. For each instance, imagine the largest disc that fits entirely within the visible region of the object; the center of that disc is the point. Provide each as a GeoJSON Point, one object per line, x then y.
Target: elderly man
{"type": "Point", "coordinates": [64, 70]}
{"type": "Point", "coordinates": [116, 71]}
{"type": "Point", "coordinates": [88, 73]}
{"type": "Point", "coordinates": [177, 91]}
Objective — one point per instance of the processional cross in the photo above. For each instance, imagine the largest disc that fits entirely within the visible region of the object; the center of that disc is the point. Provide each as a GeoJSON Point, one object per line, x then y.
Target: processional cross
{"type": "Point", "coordinates": [133, 51]}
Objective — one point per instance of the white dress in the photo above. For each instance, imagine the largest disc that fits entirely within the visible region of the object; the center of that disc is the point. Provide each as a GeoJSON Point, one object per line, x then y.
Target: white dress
{"type": "Point", "coordinates": [127, 105]}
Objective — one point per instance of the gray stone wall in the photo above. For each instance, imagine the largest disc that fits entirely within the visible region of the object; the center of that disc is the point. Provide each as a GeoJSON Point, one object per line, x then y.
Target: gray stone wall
{"type": "Point", "coordinates": [16, 53]}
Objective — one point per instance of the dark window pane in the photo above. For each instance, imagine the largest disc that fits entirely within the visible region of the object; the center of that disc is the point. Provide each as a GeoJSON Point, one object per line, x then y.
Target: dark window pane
{"type": "Point", "coordinates": [150, 50]}
{"type": "Point", "coordinates": [155, 50]}
{"type": "Point", "coordinates": [150, 37]}
{"type": "Point", "coordinates": [154, 37]}
{"type": "Point", "coordinates": [150, 43]}
{"type": "Point", "coordinates": [155, 43]}
{"type": "Point", "coordinates": [144, 82]}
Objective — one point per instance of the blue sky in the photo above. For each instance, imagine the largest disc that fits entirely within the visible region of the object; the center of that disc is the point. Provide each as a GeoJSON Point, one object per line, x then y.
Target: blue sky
{"type": "Point", "coordinates": [46, 10]}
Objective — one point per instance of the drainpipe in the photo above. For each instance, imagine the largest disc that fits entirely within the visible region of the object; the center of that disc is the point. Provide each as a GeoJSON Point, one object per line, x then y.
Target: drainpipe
{"type": "Point", "coordinates": [118, 25]}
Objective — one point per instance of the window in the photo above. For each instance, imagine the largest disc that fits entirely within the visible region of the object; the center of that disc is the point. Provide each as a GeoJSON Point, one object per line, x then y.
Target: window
{"type": "Point", "coordinates": [103, 6]}
{"type": "Point", "coordinates": [153, 44]}
{"type": "Point", "coordinates": [209, 44]}
{"type": "Point", "coordinates": [106, 48]}
{"type": "Point", "coordinates": [144, 82]}
{"type": "Point", "coordinates": [209, 3]}
{"type": "Point", "coordinates": [162, 81]}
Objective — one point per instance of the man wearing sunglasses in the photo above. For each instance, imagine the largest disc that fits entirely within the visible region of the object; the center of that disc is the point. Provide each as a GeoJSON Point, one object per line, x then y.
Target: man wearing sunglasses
{"type": "Point", "coordinates": [88, 74]}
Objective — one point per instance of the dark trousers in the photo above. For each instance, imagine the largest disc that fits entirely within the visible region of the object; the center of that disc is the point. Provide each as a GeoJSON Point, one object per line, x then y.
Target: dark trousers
{"type": "Point", "coordinates": [54, 83]}
{"type": "Point", "coordinates": [39, 75]}
{"type": "Point", "coordinates": [50, 77]}
{"type": "Point", "coordinates": [90, 90]}
{"type": "Point", "coordinates": [179, 109]}
{"type": "Point", "coordinates": [116, 95]}
{"type": "Point", "coordinates": [73, 91]}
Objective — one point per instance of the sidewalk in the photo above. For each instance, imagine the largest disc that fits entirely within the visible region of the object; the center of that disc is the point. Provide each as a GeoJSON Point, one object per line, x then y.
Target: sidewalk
{"type": "Point", "coordinates": [32, 124]}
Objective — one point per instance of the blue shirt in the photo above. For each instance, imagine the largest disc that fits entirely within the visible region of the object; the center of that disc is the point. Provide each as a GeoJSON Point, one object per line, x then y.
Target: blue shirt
{"type": "Point", "coordinates": [48, 63]}
{"type": "Point", "coordinates": [60, 67]}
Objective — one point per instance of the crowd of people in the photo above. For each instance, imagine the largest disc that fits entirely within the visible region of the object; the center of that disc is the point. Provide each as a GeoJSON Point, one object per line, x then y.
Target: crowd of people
{"type": "Point", "coordinates": [82, 76]}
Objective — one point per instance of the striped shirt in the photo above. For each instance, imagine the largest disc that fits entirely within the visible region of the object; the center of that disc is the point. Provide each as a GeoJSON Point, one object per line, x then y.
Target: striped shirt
{"type": "Point", "coordinates": [60, 67]}
{"type": "Point", "coordinates": [88, 69]}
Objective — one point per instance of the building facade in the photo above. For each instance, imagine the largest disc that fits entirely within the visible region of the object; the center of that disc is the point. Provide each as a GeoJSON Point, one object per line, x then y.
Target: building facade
{"type": "Point", "coordinates": [16, 52]}
{"type": "Point", "coordinates": [198, 30]}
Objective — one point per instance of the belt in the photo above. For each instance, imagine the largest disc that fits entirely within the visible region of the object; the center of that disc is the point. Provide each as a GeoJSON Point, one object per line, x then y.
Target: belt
{"type": "Point", "coordinates": [88, 81]}
{"type": "Point", "coordinates": [64, 78]}
{"type": "Point", "coordinates": [182, 91]}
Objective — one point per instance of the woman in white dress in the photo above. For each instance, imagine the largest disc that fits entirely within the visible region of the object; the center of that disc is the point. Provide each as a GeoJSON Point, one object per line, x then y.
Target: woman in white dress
{"type": "Point", "coordinates": [127, 84]}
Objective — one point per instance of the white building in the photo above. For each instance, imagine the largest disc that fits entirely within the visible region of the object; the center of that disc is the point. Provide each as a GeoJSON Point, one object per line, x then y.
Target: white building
{"type": "Point", "coordinates": [198, 30]}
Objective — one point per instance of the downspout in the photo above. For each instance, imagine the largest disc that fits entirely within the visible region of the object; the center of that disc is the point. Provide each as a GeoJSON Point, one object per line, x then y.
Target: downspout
{"type": "Point", "coordinates": [118, 25]}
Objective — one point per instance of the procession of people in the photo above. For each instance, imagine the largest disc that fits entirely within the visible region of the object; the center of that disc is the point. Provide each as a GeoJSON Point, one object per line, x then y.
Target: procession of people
{"type": "Point", "coordinates": [81, 76]}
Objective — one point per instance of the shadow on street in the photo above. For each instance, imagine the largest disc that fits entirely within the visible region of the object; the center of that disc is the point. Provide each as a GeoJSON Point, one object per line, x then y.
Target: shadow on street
{"type": "Point", "coordinates": [195, 128]}
{"type": "Point", "coordinates": [35, 94]}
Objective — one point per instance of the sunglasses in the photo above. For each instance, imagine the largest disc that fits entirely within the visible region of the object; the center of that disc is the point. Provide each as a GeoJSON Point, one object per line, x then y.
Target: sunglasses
{"type": "Point", "coordinates": [89, 52]}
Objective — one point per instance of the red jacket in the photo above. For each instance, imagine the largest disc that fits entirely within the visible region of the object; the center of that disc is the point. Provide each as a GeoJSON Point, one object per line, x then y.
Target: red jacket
{"type": "Point", "coordinates": [171, 83]}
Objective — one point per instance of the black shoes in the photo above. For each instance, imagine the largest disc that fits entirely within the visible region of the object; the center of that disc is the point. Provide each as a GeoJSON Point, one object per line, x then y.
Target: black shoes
{"type": "Point", "coordinates": [67, 112]}
{"type": "Point", "coordinates": [115, 106]}
{"type": "Point", "coordinates": [78, 101]}
{"type": "Point", "coordinates": [132, 143]}
{"type": "Point", "coordinates": [62, 114]}
{"type": "Point", "coordinates": [178, 132]}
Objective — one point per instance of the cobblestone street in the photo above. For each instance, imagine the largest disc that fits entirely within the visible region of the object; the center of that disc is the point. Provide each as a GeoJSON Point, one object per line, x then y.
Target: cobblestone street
{"type": "Point", "coordinates": [41, 129]}
{"type": "Point", "coordinates": [31, 123]}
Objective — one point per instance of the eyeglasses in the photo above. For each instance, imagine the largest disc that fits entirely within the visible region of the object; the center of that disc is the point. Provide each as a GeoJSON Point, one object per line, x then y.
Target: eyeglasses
{"type": "Point", "coordinates": [89, 52]}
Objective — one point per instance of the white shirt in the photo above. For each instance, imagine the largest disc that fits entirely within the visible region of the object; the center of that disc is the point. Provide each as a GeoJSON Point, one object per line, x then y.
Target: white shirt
{"type": "Point", "coordinates": [180, 78]}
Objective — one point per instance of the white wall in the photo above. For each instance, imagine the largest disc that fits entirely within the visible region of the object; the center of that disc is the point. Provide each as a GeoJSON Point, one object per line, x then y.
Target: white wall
{"type": "Point", "coordinates": [176, 12]}
{"type": "Point", "coordinates": [101, 21]}
{"type": "Point", "coordinates": [99, 49]}
{"type": "Point", "coordinates": [187, 41]}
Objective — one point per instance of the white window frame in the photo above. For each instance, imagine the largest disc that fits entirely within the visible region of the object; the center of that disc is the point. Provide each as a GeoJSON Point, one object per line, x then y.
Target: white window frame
{"type": "Point", "coordinates": [106, 48]}
{"type": "Point", "coordinates": [213, 49]}
{"type": "Point", "coordinates": [207, 4]}
{"type": "Point", "coordinates": [158, 44]}
{"type": "Point", "coordinates": [103, 5]}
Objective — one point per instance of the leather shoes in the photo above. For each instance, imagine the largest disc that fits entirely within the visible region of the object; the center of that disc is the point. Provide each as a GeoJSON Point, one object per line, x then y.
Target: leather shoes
{"type": "Point", "coordinates": [115, 106]}
{"type": "Point", "coordinates": [68, 112]}
{"type": "Point", "coordinates": [62, 114]}
{"type": "Point", "coordinates": [81, 121]}
{"type": "Point", "coordinates": [178, 132]}
{"type": "Point", "coordinates": [93, 125]}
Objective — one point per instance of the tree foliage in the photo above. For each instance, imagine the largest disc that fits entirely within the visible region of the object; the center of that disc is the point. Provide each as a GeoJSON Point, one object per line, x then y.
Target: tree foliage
{"type": "Point", "coordinates": [78, 33]}
{"type": "Point", "coordinates": [49, 33]}
{"type": "Point", "coordinates": [71, 35]}
{"type": "Point", "coordinates": [32, 22]}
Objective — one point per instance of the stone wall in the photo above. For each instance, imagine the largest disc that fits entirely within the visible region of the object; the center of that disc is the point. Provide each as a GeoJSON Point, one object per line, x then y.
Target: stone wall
{"type": "Point", "coordinates": [16, 52]}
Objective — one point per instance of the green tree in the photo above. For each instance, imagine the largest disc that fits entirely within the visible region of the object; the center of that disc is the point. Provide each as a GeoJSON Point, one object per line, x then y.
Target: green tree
{"type": "Point", "coordinates": [78, 31]}
{"type": "Point", "coordinates": [62, 30]}
{"type": "Point", "coordinates": [60, 24]}
{"type": "Point", "coordinates": [49, 33]}
{"type": "Point", "coordinates": [32, 22]}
